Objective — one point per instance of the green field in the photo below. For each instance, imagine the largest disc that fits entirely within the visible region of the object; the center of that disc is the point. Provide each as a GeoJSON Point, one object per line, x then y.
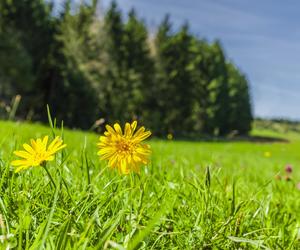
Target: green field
{"type": "Point", "coordinates": [175, 203]}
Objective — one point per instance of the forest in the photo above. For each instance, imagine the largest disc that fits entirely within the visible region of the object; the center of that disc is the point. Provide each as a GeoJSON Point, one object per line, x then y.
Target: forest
{"type": "Point", "coordinates": [94, 66]}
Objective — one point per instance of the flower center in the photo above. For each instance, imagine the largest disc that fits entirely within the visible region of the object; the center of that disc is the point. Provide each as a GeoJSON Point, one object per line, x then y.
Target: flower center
{"type": "Point", "coordinates": [39, 157]}
{"type": "Point", "coordinates": [124, 147]}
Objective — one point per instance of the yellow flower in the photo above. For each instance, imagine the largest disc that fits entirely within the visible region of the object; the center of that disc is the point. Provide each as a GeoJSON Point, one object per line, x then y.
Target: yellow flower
{"type": "Point", "coordinates": [169, 136]}
{"type": "Point", "coordinates": [37, 153]}
{"type": "Point", "coordinates": [267, 154]}
{"type": "Point", "coordinates": [124, 151]}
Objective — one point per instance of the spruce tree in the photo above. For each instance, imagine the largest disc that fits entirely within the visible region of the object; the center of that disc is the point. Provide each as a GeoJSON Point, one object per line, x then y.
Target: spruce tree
{"type": "Point", "coordinates": [240, 113]}
{"type": "Point", "coordinates": [174, 57]}
{"type": "Point", "coordinates": [33, 27]}
{"type": "Point", "coordinates": [72, 84]}
{"type": "Point", "coordinates": [139, 68]}
{"type": "Point", "coordinates": [115, 86]}
{"type": "Point", "coordinates": [218, 91]}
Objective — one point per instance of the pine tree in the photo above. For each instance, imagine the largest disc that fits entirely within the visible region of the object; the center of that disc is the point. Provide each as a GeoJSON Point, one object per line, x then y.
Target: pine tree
{"type": "Point", "coordinates": [86, 68]}
{"type": "Point", "coordinates": [174, 57]}
{"type": "Point", "coordinates": [115, 86]}
{"type": "Point", "coordinates": [139, 68]}
{"type": "Point", "coordinates": [72, 84]}
{"type": "Point", "coordinates": [33, 27]}
{"type": "Point", "coordinates": [218, 91]}
{"type": "Point", "coordinates": [212, 89]}
{"type": "Point", "coordinates": [156, 98]}
{"type": "Point", "coordinates": [15, 66]}
{"type": "Point", "coordinates": [240, 113]}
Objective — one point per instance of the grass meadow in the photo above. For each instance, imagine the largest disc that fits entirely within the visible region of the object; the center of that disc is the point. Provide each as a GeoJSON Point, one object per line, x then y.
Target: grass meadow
{"type": "Point", "coordinates": [193, 195]}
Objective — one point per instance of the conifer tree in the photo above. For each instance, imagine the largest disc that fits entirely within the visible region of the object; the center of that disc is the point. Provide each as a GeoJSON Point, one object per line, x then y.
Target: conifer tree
{"type": "Point", "coordinates": [72, 85]}
{"type": "Point", "coordinates": [212, 89]}
{"type": "Point", "coordinates": [115, 86]}
{"type": "Point", "coordinates": [177, 85]}
{"type": "Point", "coordinates": [33, 27]}
{"type": "Point", "coordinates": [139, 68]}
{"type": "Point", "coordinates": [87, 67]}
{"type": "Point", "coordinates": [218, 91]}
{"type": "Point", "coordinates": [240, 113]}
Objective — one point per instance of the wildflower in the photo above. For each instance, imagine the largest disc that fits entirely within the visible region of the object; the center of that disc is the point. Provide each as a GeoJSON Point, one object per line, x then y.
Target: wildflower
{"type": "Point", "coordinates": [267, 154]}
{"type": "Point", "coordinates": [287, 178]}
{"type": "Point", "coordinates": [124, 151]}
{"type": "Point", "coordinates": [278, 177]}
{"type": "Point", "coordinates": [169, 136]}
{"type": "Point", "coordinates": [288, 169]}
{"type": "Point", "coordinates": [37, 153]}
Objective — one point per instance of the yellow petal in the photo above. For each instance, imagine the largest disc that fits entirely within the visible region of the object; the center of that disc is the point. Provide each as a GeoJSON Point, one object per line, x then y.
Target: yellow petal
{"type": "Point", "coordinates": [56, 148]}
{"type": "Point", "coordinates": [118, 128]}
{"type": "Point", "coordinates": [19, 162]}
{"type": "Point", "coordinates": [112, 161]}
{"type": "Point", "coordinates": [136, 158]}
{"type": "Point", "coordinates": [39, 142]}
{"type": "Point", "coordinates": [106, 150]}
{"type": "Point", "coordinates": [143, 136]}
{"type": "Point", "coordinates": [33, 144]}
{"type": "Point", "coordinates": [50, 158]}
{"type": "Point", "coordinates": [110, 129]}
{"type": "Point", "coordinates": [103, 139]}
{"type": "Point", "coordinates": [28, 148]}
{"type": "Point", "coordinates": [45, 141]}
{"type": "Point", "coordinates": [53, 143]}
{"type": "Point", "coordinates": [23, 154]}
{"type": "Point", "coordinates": [133, 125]}
{"type": "Point", "coordinates": [127, 130]}
{"type": "Point", "coordinates": [21, 168]}
{"type": "Point", "coordinates": [123, 167]}
{"type": "Point", "coordinates": [139, 132]}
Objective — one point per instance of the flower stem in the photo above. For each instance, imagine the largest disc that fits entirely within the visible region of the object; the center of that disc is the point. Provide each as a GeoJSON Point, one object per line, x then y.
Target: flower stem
{"type": "Point", "coordinates": [49, 175]}
{"type": "Point", "coordinates": [131, 199]}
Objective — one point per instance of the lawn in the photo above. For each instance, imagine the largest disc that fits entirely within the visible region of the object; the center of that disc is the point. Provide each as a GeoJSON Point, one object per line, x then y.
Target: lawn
{"type": "Point", "coordinates": [193, 195]}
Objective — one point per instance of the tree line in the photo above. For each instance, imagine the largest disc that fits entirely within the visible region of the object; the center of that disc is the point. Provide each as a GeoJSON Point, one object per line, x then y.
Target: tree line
{"type": "Point", "coordinates": [100, 66]}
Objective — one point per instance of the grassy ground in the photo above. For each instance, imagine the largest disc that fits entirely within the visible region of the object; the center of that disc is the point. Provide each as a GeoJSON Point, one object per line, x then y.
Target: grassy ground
{"type": "Point", "coordinates": [176, 203]}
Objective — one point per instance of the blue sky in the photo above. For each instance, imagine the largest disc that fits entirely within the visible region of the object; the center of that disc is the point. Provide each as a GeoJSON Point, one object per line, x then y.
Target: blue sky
{"type": "Point", "coordinates": [261, 37]}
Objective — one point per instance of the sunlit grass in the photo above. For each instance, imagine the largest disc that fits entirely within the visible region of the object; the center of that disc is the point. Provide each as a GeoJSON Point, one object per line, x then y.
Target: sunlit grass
{"type": "Point", "coordinates": [194, 195]}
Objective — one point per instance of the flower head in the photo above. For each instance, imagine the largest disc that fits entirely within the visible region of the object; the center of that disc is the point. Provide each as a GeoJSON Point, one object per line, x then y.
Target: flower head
{"type": "Point", "coordinates": [124, 151]}
{"type": "Point", "coordinates": [169, 136]}
{"type": "Point", "coordinates": [287, 178]}
{"type": "Point", "coordinates": [267, 154]}
{"type": "Point", "coordinates": [288, 169]}
{"type": "Point", "coordinates": [277, 177]}
{"type": "Point", "coordinates": [37, 153]}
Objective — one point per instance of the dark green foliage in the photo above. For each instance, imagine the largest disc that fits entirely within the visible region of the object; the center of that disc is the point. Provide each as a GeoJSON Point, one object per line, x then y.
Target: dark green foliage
{"type": "Point", "coordinates": [16, 65]}
{"type": "Point", "coordinates": [175, 79]}
{"type": "Point", "coordinates": [71, 94]}
{"type": "Point", "coordinates": [47, 42]}
{"type": "Point", "coordinates": [139, 67]}
{"type": "Point", "coordinates": [115, 85]}
{"type": "Point", "coordinates": [240, 113]}
{"type": "Point", "coordinates": [88, 66]}
{"type": "Point", "coordinates": [217, 89]}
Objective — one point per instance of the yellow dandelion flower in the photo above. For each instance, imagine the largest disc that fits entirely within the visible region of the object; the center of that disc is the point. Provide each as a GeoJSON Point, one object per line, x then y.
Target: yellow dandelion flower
{"type": "Point", "coordinates": [169, 136]}
{"type": "Point", "coordinates": [267, 154]}
{"type": "Point", "coordinates": [124, 151]}
{"type": "Point", "coordinates": [37, 153]}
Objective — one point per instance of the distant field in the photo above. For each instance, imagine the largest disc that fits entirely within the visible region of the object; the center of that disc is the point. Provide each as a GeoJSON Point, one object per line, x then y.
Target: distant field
{"type": "Point", "coordinates": [174, 203]}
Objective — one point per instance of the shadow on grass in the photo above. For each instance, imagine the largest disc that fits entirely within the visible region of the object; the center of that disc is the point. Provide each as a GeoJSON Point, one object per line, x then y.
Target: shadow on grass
{"type": "Point", "coordinates": [254, 139]}
{"type": "Point", "coordinates": [260, 139]}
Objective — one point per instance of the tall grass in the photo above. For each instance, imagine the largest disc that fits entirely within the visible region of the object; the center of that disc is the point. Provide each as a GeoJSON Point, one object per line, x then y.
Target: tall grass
{"type": "Point", "coordinates": [193, 195]}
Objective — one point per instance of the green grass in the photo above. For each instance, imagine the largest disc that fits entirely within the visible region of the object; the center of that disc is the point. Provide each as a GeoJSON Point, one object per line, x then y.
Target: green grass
{"type": "Point", "coordinates": [194, 195]}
